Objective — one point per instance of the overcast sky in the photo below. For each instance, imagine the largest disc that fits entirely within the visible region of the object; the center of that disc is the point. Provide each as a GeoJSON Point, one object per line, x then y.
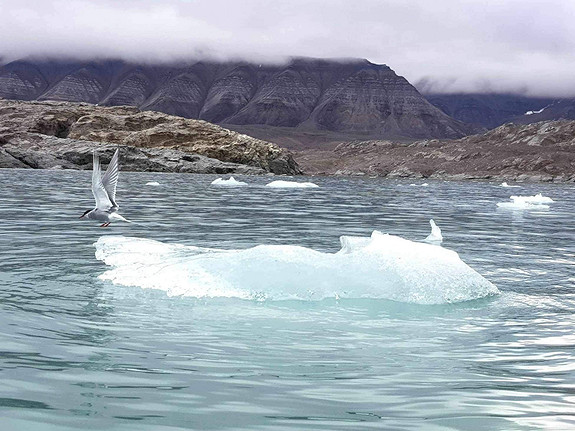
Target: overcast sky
{"type": "Point", "coordinates": [450, 45]}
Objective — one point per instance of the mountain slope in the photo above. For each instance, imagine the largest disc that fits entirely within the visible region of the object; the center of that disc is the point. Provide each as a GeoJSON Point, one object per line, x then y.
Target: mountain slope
{"type": "Point", "coordinates": [492, 110]}
{"type": "Point", "coordinates": [353, 96]}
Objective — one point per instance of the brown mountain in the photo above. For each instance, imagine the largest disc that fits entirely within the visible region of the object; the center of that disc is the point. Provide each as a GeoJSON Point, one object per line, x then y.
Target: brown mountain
{"type": "Point", "coordinates": [352, 96]}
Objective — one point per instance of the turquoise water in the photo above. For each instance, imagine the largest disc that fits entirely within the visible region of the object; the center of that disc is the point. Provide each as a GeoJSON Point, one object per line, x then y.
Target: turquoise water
{"type": "Point", "coordinates": [80, 352]}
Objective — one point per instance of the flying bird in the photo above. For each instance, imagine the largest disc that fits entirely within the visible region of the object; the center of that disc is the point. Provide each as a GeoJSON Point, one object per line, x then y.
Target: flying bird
{"type": "Point", "coordinates": [104, 190]}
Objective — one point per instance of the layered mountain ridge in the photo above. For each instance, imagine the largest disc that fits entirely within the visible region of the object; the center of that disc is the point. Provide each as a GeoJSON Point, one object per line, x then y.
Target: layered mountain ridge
{"type": "Point", "coordinates": [342, 96]}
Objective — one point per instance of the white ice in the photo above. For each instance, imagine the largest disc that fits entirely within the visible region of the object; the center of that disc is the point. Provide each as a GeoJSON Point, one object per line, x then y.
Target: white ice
{"type": "Point", "coordinates": [520, 205]}
{"type": "Point", "coordinates": [420, 185]}
{"type": "Point", "coordinates": [231, 182]}
{"type": "Point", "coordinates": [536, 112]}
{"type": "Point", "coordinates": [504, 184]}
{"type": "Point", "coordinates": [435, 236]}
{"type": "Point", "coordinates": [537, 199]}
{"type": "Point", "coordinates": [280, 184]}
{"type": "Point", "coordinates": [380, 266]}
{"type": "Point", "coordinates": [527, 202]}
{"type": "Point", "coordinates": [153, 183]}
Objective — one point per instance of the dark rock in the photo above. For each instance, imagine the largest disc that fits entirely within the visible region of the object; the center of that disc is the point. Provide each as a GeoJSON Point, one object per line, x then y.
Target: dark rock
{"type": "Point", "coordinates": [493, 110]}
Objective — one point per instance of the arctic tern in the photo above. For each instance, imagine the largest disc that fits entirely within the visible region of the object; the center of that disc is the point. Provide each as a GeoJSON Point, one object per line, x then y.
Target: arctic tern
{"type": "Point", "coordinates": [104, 190]}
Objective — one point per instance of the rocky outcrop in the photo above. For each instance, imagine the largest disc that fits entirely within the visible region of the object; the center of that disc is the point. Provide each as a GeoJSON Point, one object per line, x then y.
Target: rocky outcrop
{"type": "Point", "coordinates": [49, 152]}
{"type": "Point", "coordinates": [353, 96]}
{"type": "Point", "coordinates": [537, 152]}
{"type": "Point", "coordinates": [63, 134]}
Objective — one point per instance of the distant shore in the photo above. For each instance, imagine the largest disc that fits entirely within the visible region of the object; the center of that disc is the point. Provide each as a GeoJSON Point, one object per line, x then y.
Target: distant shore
{"type": "Point", "coordinates": [538, 152]}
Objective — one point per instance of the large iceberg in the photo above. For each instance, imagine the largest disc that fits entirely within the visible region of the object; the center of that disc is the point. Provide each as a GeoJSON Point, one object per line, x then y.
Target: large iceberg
{"type": "Point", "coordinates": [280, 184]}
{"type": "Point", "coordinates": [380, 266]}
{"type": "Point", "coordinates": [231, 182]}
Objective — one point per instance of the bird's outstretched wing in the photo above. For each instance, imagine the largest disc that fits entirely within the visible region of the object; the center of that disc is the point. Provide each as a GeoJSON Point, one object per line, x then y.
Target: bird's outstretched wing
{"type": "Point", "coordinates": [100, 195]}
{"type": "Point", "coordinates": [110, 179]}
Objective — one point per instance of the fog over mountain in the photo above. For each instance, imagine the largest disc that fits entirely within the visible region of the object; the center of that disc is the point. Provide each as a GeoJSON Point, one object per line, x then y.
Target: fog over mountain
{"type": "Point", "coordinates": [445, 46]}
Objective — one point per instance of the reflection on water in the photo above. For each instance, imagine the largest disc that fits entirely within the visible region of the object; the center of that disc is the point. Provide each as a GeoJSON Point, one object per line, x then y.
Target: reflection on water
{"type": "Point", "coordinates": [77, 352]}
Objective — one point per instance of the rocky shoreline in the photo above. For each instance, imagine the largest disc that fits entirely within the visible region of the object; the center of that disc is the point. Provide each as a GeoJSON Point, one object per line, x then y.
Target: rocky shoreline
{"type": "Point", "coordinates": [536, 152]}
{"type": "Point", "coordinates": [62, 135]}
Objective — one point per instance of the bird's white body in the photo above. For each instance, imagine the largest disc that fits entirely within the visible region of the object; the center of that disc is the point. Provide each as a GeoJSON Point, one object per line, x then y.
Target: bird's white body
{"type": "Point", "coordinates": [104, 191]}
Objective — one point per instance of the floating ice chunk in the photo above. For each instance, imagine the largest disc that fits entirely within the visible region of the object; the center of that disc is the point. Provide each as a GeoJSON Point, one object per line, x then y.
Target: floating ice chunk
{"type": "Point", "coordinates": [380, 266]}
{"type": "Point", "coordinates": [280, 184]}
{"type": "Point", "coordinates": [420, 185]}
{"type": "Point", "coordinates": [536, 202]}
{"type": "Point", "coordinates": [231, 182]}
{"type": "Point", "coordinates": [521, 205]}
{"type": "Point", "coordinates": [504, 184]}
{"type": "Point", "coordinates": [153, 183]}
{"type": "Point", "coordinates": [435, 236]}
{"type": "Point", "coordinates": [537, 199]}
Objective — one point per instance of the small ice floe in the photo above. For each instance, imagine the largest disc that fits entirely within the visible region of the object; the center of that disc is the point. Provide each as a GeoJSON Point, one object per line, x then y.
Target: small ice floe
{"type": "Point", "coordinates": [527, 202]}
{"type": "Point", "coordinates": [420, 185]}
{"type": "Point", "coordinates": [537, 199]}
{"type": "Point", "coordinates": [153, 183]}
{"type": "Point", "coordinates": [504, 184]}
{"type": "Point", "coordinates": [435, 236]}
{"type": "Point", "coordinates": [231, 182]}
{"type": "Point", "coordinates": [280, 184]}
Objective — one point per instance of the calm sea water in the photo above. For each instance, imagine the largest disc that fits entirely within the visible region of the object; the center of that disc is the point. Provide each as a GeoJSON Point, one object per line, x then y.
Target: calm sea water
{"type": "Point", "coordinates": [79, 352]}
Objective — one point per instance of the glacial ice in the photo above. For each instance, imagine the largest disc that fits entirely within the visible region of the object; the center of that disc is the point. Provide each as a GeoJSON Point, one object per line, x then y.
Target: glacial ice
{"type": "Point", "coordinates": [435, 236]}
{"type": "Point", "coordinates": [280, 184]}
{"type": "Point", "coordinates": [153, 183]}
{"type": "Point", "coordinates": [504, 184]}
{"type": "Point", "coordinates": [231, 182]}
{"type": "Point", "coordinates": [527, 202]}
{"type": "Point", "coordinates": [521, 205]}
{"type": "Point", "coordinates": [381, 266]}
{"type": "Point", "coordinates": [537, 199]}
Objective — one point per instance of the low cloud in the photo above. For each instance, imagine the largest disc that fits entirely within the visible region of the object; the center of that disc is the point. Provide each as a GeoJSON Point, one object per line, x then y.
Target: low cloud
{"type": "Point", "coordinates": [525, 47]}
